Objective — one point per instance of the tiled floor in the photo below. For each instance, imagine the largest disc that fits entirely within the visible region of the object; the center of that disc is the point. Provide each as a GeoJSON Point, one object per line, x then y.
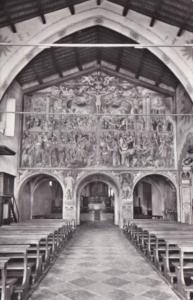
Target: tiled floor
{"type": "Point", "coordinates": [100, 264]}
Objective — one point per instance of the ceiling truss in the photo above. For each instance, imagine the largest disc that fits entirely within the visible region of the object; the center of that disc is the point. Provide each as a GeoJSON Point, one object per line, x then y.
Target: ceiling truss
{"type": "Point", "coordinates": [178, 13]}
{"type": "Point", "coordinates": [59, 61]}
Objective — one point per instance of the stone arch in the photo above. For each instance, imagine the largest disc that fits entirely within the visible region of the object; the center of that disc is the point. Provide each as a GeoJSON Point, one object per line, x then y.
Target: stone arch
{"type": "Point", "coordinates": [97, 176]}
{"type": "Point", "coordinates": [103, 16]}
{"type": "Point", "coordinates": [143, 175]}
{"type": "Point", "coordinates": [166, 176]}
{"type": "Point", "coordinates": [21, 186]}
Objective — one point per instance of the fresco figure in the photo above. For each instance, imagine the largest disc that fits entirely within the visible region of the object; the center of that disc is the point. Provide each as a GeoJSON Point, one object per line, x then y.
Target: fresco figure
{"type": "Point", "coordinates": [98, 103]}
{"type": "Point", "coordinates": [69, 183]}
{"type": "Point", "coordinates": [126, 181]}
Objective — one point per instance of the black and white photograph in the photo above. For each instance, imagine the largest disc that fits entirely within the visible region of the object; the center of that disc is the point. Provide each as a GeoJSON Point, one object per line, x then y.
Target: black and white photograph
{"type": "Point", "coordinates": [96, 149]}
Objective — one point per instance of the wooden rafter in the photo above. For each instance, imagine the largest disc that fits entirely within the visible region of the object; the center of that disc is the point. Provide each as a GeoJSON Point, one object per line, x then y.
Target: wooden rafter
{"type": "Point", "coordinates": [141, 62]}
{"type": "Point", "coordinates": [41, 12]}
{"type": "Point", "coordinates": [59, 80]}
{"type": "Point", "coordinates": [8, 16]}
{"type": "Point", "coordinates": [71, 6]}
{"type": "Point", "coordinates": [76, 52]}
{"type": "Point", "coordinates": [155, 13]}
{"type": "Point", "coordinates": [106, 70]}
{"type": "Point", "coordinates": [138, 82]}
{"type": "Point", "coordinates": [55, 64]}
{"type": "Point", "coordinates": [185, 21]}
{"type": "Point", "coordinates": [158, 80]}
{"type": "Point", "coordinates": [38, 77]}
{"type": "Point", "coordinates": [77, 58]}
{"type": "Point", "coordinates": [99, 51]}
{"type": "Point", "coordinates": [126, 8]}
{"type": "Point", "coordinates": [120, 55]}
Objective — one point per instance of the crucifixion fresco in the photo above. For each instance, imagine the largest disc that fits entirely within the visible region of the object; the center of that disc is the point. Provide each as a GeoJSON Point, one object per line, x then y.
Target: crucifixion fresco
{"type": "Point", "coordinates": [98, 120]}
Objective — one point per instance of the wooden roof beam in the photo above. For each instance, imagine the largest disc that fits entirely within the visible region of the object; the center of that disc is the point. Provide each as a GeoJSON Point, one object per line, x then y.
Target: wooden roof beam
{"type": "Point", "coordinates": [141, 62]}
{"type": "Point", "coordinates": [8, 16]}
{"type": "Point", "coordinates": [76, 52]}
{"type": "Point", "coordinates": [89, 70]}
{"type": "Point", "coordinates": [139, 82]}
{"type": "Point", "coordinates": [154, 16]}
{"type": "Point", "coordinates": [59, 80]}
{"type": "Point", "coordinates": [182, 27]}
{"type": "Point", "coordinates": [99, 51]}
{"type": "Point", "coordinates": [55, 64]}
{"type": "Point", "coordinates": [126, 8]}
{"type": "Point", "coordinates": [41, 12]}
{"type": "Point", "coordinates": [38, 77]}
{"type": "Point", "coordinates": [158, 81]}
{"type": "Point", "coordinates": [71, 6]}
{"type": "Point", "coordinates": [120, 55]}
{"type": "Point", "coordinates": [77, 58]}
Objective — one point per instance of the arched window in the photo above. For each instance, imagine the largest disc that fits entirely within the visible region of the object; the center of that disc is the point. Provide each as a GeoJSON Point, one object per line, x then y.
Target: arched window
{"type": "Point", "coordinates": [7, 119]}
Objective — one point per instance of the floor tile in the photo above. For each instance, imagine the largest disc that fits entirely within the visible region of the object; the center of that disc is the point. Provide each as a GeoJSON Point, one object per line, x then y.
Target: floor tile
{"type": "Point", "coordinates": [82, 282]}
{"type": "Point", "coordinates": [115, 281]}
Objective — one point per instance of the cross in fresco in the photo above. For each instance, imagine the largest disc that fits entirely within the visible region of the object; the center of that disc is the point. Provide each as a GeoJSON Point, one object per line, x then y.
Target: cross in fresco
{"type": "Point", "coordinates": [98, 87]}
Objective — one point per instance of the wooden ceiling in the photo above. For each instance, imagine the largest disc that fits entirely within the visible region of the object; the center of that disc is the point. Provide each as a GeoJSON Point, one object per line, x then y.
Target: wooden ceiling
{"type": "Point", "coordinates": [175, 12]}
{"type": "Point", "coordinates": [57, 62]}
{"type": "Point", "coordinates": [140, 63]}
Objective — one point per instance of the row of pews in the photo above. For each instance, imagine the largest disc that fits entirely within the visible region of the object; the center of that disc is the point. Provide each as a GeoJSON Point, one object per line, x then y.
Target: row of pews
{"type": "Point", "coordinates": [169, 246]}
{"type": "Point", "coordinates": [27, 250]}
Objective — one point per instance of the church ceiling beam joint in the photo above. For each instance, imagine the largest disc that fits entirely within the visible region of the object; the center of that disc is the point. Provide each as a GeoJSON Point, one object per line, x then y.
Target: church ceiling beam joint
{"type": "Point", "coordinates": [126, 8]}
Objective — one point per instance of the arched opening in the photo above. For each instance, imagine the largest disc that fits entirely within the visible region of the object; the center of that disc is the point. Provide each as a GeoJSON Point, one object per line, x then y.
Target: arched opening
{"type": "Point", "coordinates": [155, 196]}
{"type": "Point", "coordinates": [97, 202]}
{"type": "Point", "coordinates": [40, 196]}
{"type": "Point", "coordinates": [97, 199]}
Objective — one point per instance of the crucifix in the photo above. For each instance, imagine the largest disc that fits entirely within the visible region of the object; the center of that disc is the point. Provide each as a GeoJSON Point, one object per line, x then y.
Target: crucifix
{"type": "Point", "coordinates": [98, 87]}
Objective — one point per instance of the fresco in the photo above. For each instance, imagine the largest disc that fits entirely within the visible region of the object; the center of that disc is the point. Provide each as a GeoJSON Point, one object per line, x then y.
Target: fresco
{"type": "Point", "coordinates": [187, 52]}
{"type": "Point", "coordinates": [4, 49]}
{"type": "Point", "coordinates": [97, 120]}
{"type": "Point", "coordinates": [184, 125]}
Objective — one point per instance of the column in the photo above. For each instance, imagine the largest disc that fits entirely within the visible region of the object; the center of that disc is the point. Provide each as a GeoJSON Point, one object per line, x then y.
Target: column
{"type": "Point", "coordinates": [186, 196]}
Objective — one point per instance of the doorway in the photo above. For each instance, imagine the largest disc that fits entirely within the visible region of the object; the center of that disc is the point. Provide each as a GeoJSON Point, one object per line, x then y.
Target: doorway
{"type": "Point", "coordinates": [41, 196]}
{"type": "Point", "coordinates": [155, 197]}
{"type": "Point", "coordinates": [97, 202]}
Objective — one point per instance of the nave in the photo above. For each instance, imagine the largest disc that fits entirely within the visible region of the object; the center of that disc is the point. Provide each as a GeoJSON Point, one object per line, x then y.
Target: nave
{"type": "Point", "coordinates": [100, 263]}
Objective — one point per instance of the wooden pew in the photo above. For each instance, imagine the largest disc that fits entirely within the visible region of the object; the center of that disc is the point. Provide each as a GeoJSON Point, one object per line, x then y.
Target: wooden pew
{"type": "Point", "coordinates": [58, 230]}
{"type": "Point", "coordinates": [32, 240]}
{"type": "Point", "coordinates": [6, 285]}
{"type": "Point", "coordinates": [40, 236]}
{"type": "Point", "coordinates": [141, 229]}
{"type": "Point", "coordinates": [169, 245]}
{"type": "Point", "coordinates": [146, 235]}
{"type": "Point", "coordinates": [47, 247]}
{"type": "Point", "coordinates": [183, 268]}
{"type": "Point", "coordinates": [169, 251]}
{"type": "Point", "coordinates": [150, 234]}
{"type": "Point", "coordinates": [19, 269]}
{"type": "Point", "coordinates": [69, 225]}
{"type": "Point", "coordinates": [134, 225]}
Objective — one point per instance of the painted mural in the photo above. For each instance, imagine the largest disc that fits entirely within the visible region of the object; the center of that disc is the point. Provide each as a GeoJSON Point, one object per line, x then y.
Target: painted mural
{"type": "Point", "coordinates": [184, 126]}
{"type": "Point", "coordinates": [97, 120]}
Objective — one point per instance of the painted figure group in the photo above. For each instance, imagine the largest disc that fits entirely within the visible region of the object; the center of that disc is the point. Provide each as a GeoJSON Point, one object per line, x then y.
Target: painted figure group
{"type": "Point", "coordinates": [82, 136]}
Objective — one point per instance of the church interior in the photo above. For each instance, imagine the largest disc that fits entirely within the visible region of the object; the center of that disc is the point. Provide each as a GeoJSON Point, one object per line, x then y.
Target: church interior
{"type": "Point", "coordinates": [96, 149]}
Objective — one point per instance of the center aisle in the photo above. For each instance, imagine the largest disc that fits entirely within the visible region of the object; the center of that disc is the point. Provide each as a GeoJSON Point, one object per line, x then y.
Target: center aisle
{"type": "Point", "coordinates": [101, 264]}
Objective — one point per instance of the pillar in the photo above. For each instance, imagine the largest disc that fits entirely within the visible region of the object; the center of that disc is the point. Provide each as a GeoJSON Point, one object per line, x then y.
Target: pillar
{"type": "Point", "coordinates": [186, 196]}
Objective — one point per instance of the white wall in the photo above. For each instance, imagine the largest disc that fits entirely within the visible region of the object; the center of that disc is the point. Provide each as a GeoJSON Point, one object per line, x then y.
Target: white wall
{"type": "Point", "coordinates": [42, 200]}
